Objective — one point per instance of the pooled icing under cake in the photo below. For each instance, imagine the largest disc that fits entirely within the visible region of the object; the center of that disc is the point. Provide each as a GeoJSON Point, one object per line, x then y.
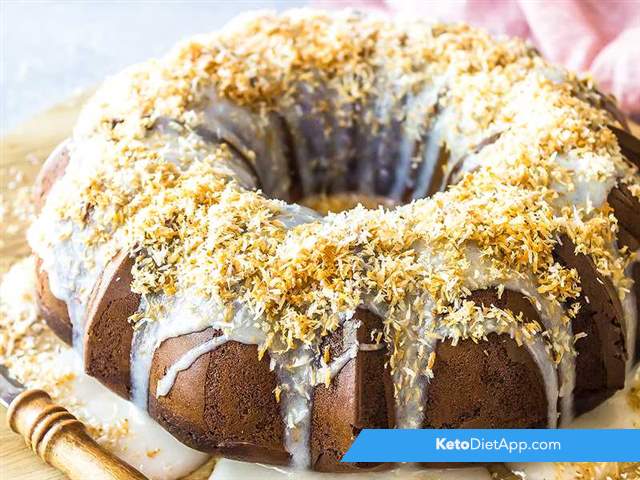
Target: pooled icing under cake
{"type": "Point", "coordinates": [183, 175]}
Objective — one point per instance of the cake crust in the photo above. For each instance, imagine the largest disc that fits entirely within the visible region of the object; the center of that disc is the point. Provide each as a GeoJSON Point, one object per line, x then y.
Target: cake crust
{"type": "Point", "coordinates": [601, 353]}
{"type": "Point", "coordinates": [53, 309]}
{"type": "Point", "coordinates": [489, 384]}
{"type": "Point", "coordinates": [108, 332]}
{"type": "Point", "coordinates": [359, 396]}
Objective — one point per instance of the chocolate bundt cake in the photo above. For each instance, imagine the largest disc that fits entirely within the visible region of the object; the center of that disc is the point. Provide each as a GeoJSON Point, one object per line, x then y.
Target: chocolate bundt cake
{"type": "Point", "coordinates": [492, 282]}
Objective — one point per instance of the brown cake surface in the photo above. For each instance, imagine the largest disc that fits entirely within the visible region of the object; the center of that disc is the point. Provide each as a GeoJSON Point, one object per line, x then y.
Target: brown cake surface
{"type": "Point", "coordinates": [490, 384]}
{"type": "Point", "coordinates": [601, 352]}
{"type": "Point", "coordinates": [51, 307]}
{"type": "Point", "coordinates": [493, 384]}
{"type": "Point", "coordinates": [360, 396]}
{"type": "Point", "coordinates": [233, 412]}
{"type": "Point", "coordinates": [108, 333]}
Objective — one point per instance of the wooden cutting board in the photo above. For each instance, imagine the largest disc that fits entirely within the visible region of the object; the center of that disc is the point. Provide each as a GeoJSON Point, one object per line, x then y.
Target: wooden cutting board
{"type": "Point", "coordinates": [21, 153]}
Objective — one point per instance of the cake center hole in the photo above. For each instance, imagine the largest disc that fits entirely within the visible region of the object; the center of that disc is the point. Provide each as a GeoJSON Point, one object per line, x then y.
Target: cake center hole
{"type": "Point", "coordinates": [325, 203]}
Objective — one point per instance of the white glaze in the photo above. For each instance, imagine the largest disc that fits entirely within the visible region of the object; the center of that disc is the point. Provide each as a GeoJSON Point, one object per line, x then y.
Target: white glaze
{"type": "Point", "coordinates": [233, 470]}
{"type": "Point", "coordinates": [184, 362]}
{"type": "Point", "coordinates": [630, 308]}
{"type": "Point", "coordinates": [410, 398]}
{"type": "Point", "coordinates": [297, 377]}
{"type": "Point", "coordinates": [482, 276]}
{"type": "Point", "coordinates": [71, 266]}
{"type": "Point", "coordinates": [586, 192]}
{"type": "Point", "coordinates": [147, 446]}
{"type": "Point", "coordinates": [431, 154]}
{"type": "Point", "coordinates": [549, 373]}
{"type": "Point", "coordinates": [181, 316]}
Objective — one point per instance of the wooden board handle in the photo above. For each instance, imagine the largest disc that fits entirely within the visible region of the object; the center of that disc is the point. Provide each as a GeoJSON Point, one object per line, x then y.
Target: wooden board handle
{"type": "Point", "coordinates": [61, 440]}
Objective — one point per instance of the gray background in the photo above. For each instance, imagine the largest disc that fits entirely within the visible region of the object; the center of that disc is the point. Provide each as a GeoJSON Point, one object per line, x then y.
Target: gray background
{"type": "Point", "coordinates": [50, 50]}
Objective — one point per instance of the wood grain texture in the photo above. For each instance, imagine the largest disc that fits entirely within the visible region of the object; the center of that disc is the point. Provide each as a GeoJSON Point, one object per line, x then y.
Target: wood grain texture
{"type": "Point", "coordinates": [17, 461]}
{"type": "Point", "coordinates": [22, 152]}
{"type": "Point", "coordinates": [61, 440]}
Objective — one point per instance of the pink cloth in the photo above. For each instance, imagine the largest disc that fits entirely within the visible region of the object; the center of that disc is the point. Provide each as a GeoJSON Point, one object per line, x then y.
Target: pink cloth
{"type": "Point", "coordinates": [600, 36]}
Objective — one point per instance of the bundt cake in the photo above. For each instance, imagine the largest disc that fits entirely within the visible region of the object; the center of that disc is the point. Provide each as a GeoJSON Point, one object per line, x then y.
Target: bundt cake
{"type": "Point", "coordinates": [489, 284]}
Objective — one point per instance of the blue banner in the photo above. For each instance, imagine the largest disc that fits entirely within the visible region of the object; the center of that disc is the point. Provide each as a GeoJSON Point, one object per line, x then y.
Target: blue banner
{"type": "Point", "coordinates": [526, 445]}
